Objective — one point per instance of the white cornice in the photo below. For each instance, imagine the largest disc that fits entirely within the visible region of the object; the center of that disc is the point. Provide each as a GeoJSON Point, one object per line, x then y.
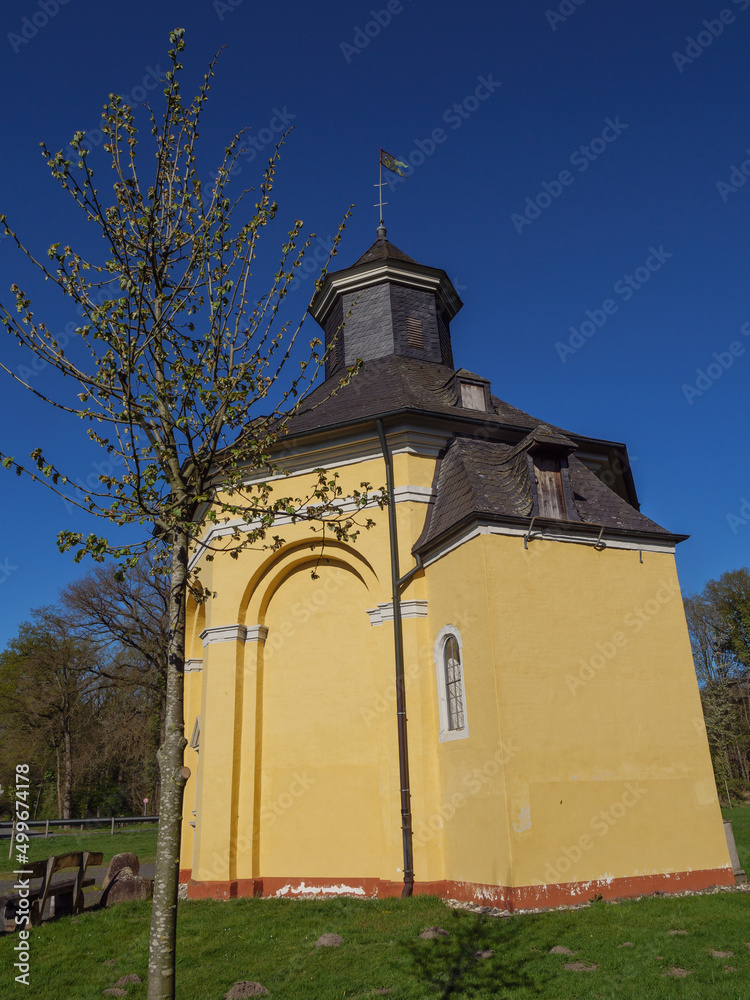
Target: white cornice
{"type": "Point", "coordinates": [402, 494]}
{"type": "Point", "coordinates": [223, 633]}
{"type": "Point", "coordinates": [354, 281]}
{"type": "Point", "coordinates": [545, 536]}
{"type": "Point", "coordinates": [409, 609]}
{"type": "Point", "coordinates": [233, 633]}
{"type": "Point", "coordinates": [358, 447]}
{"type": "Point", "coordinates": [414, 494]}
{"type": "Point", "coordinates": [193, 666]}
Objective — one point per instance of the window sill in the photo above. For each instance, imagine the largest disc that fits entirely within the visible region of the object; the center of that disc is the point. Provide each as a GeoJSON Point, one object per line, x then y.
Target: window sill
{"type": "Point", "coordinates": [447, 735]}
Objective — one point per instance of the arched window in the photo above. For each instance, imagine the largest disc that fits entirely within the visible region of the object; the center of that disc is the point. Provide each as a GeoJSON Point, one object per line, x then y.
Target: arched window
{"type": "Point", "coordinates": [450, 682]}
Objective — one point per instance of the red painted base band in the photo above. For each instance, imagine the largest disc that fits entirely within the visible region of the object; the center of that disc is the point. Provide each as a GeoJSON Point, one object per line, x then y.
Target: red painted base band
{"type": "Point", "coordinates": [505, 898]}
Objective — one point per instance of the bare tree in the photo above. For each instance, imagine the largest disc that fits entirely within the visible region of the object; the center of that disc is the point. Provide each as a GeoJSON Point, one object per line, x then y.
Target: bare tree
{"type": "Point", "coordinates": [127, 616]}
{"type": "Point", "coordinates": [47, 677]}
{"type": "Point", "coordinates": [181, 354]}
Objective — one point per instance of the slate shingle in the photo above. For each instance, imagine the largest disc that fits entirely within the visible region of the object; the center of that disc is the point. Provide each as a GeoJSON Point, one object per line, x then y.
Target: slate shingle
{"type": "Point", "coordinates": [490, 480]}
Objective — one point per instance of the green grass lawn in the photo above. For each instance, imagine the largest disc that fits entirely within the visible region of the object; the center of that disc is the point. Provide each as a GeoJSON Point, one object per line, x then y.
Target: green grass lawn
{"type": "Point", "coordinates": [140, 841]}
{"type": "Point", "coordinates": [273, 942]}
{"type": "Point", "coordinates": [740, 817]}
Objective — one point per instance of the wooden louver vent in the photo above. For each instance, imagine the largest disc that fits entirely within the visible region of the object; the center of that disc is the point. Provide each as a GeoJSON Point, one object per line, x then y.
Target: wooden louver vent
{"type": "Point", "coordinates": [333, 355]}
{"type": "Point", "coordinates": [414, 335]}
{"type": "Point", "coordinates": [550, 492]}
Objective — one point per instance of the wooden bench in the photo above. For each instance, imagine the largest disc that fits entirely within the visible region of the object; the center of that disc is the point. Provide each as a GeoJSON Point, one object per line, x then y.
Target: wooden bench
{"type": "Point", "coordinates": [65, 895]}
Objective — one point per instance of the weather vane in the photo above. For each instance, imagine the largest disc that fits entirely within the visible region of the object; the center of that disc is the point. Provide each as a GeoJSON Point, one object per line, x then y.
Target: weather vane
{"type": "Point", "coordinates": [394, 165]}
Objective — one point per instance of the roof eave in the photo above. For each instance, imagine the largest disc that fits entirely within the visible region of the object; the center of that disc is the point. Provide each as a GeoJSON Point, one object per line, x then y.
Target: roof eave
{"type": "Point", "coordinates": [550, 525]}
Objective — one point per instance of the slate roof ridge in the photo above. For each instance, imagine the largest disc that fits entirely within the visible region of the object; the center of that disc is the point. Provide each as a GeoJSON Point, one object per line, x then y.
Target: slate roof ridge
{"type": "Point", "coordinates": [544, 434]}
{"type": "Point", "coordinates": [465, 373]}
{"type": "Point", "coordinates": [383, 249]}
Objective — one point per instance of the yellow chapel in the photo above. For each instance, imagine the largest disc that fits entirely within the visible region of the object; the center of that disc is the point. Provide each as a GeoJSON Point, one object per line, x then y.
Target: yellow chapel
{"type": "Point", "coordinates": [490, 696]}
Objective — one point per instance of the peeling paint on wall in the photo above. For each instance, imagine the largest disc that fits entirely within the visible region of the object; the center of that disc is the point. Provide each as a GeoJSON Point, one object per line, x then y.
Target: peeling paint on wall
{"type": "Point", "coordinates": [522, 821]}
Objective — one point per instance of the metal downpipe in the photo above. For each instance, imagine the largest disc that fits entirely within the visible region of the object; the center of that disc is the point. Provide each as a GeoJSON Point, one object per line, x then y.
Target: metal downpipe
{"type": "Point", "coordinates": [398, 636]}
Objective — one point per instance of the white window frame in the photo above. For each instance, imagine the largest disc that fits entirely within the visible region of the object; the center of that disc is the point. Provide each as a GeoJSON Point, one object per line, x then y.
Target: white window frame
{"type": "Point", "coordinates": [446, 734]}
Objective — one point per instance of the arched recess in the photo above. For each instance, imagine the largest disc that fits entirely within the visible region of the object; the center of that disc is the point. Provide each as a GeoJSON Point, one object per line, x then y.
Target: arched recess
{"type": "Point", "coordinates": [317, 765]}
{"type": "Point", "coordinates": [195, 616]}
{"type": "Point", "coordinates": [306, 552]}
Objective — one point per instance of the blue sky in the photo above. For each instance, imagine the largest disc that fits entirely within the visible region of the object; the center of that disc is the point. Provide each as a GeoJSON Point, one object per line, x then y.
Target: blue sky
{"type": "Point", "coordinates": [578, 172]}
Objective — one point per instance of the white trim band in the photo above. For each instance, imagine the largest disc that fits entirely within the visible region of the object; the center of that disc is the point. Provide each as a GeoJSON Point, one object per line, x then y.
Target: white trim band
{"type": "Point", "coordinates": [223, 633]}
{"type": "Point", "coordinates": [545, 535]}
{"type": "Point", "coordinates": [193, 666]}
{"type": "Point", "coordinates": [256, 633]}
{"type": "Point", "coordinates": [233, 633]}
{"type": "Point", "coordinates": [409, 609]}
{"type": "Point", "coordinates": [401, 494]}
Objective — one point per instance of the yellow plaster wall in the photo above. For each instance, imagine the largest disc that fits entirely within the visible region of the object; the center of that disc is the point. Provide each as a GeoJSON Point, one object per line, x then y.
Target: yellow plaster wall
{"type": "Point", "coordinates": [320, 769]}
{"type": "Point", "coordinates": [298, 767]}
{"type": "Point", "coordinates": [605, 763]}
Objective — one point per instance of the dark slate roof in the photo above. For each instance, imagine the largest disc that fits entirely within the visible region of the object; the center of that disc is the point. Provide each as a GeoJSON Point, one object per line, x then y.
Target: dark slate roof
{"type": "Point", "coordinates": [383, 250]}
{"type": "Point", "coordinates": [490, 480]}
{"type": "Point", "coordinates": [394, 383]}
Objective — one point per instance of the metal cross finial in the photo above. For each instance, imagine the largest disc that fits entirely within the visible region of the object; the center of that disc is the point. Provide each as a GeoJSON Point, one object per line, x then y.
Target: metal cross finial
{"type": "Point", "coordinates": [380, 203]}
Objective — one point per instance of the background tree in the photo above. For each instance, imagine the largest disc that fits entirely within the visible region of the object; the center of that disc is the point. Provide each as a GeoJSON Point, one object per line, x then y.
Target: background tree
{"type": "Point", "coordinates": [173, 359]}
{"type": "Point", "coordinates": [127, 614]}
{"type": "Point", "coordinates": [80, 720]}
{"type": "Point", "coordinates": [46, 683]}
{"type": "Point", "coordinates": [719, 626]}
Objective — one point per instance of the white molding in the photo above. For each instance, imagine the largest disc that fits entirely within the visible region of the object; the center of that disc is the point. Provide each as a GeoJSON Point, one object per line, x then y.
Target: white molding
{"type": "Point", "coordinates": [195, 738]}
{"type": "Point", "coordinates": [346, 282]}
{"type": "Point", "coordinates": [445, 734]}
{"type": "Point", "coordinates": [548, 535]}
{"type": "Point", "coordinates": [353, 448]}
{"type": "Point", "coordinates": [193, 666]}
{"type": "Point", "coordinates": [409, 609]}
{"type": "Point", "coordinates": [233, 633]}
{"type": "Point", "coordinates": [223, 633]}
{"type": "Point", "coordinates": [414, 494]}
{"type": "Point", "coordinates": [401, 494]}
{"type": "Point", "coordinates": [256, 633]}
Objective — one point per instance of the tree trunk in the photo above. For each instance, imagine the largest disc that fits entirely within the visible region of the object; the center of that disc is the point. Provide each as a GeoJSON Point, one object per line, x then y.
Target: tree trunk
{"type": "Point", "coordinates": [67, 785]}
{"type": "Point", "coordinates": [57, 784]}
{"type": "Point", "coordinates": [161, 959]}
